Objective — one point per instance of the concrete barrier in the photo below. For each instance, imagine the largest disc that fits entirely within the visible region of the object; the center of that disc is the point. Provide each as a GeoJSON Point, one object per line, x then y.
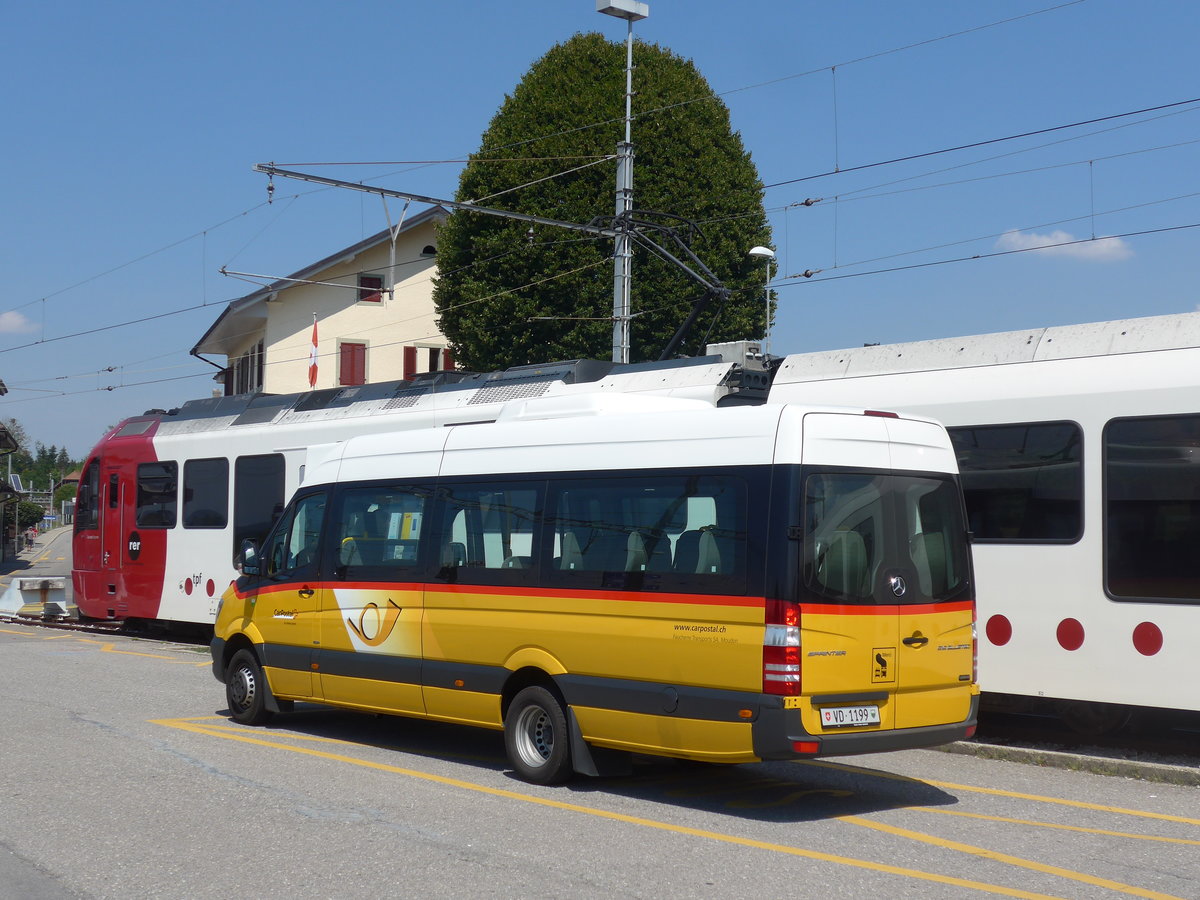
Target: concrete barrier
{"type": "Point", "coordinates": [36, 597]}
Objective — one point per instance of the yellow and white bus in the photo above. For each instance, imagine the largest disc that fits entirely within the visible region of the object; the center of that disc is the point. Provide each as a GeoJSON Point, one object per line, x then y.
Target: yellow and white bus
{"type": "Point", "coordinates": [604, 575]}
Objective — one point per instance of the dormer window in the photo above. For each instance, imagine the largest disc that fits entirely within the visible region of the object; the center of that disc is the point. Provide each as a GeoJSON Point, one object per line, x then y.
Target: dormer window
{"type": "Point", "coordinates": [370, 288]}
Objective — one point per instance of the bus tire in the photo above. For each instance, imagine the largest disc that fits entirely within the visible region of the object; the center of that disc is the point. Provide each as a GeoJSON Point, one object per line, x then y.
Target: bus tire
{"type": "Point", "coordinates": [536, 737]}
{"type": "Point", "coordinates": [246, 690]}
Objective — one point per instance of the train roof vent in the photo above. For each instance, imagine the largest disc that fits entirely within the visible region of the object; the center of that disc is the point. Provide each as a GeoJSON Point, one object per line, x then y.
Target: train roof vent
{"type": "Point", "coordinates": [407, 395]}
{"type": "Point", "coordinates": [518, 390]}
{"type": "Point", "coordinates": [317, 399]}
{"type": "Point", "coordinates": [264, 408]}
{"type": "Point", "coordinates": [572, 371]}
{"type": "Point", "coordinates": [135, 427]}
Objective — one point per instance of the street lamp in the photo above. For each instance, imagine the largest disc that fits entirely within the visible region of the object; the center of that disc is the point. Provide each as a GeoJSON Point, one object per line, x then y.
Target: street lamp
{"type": "Point", "coordinates": [769, 255]}
{"type": "Point", "coordinates": [631, 11]}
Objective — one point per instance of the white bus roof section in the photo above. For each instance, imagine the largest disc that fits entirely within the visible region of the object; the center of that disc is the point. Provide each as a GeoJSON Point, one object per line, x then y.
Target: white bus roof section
{"type": "Point", "coordinates": [876, 442]}
{"type": "Point", "coordinates": [1123, 336]}
{"type": "Point", "coordinates": [628, 433]}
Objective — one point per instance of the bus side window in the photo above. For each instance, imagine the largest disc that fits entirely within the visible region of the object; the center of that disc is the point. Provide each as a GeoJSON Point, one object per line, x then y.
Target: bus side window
{"type": "Point", "coordinates": [665, 532]}
{"type": "Point", "coordinates": [293, 549]}
{"type": "Point", "coordinates": [379, 529]}
{"type": "Point", "coordinates": [490, 529]}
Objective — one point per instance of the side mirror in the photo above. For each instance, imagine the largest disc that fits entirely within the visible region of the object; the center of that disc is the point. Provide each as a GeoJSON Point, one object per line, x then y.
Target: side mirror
{"type": "Point", "coordinates": [248, 558]}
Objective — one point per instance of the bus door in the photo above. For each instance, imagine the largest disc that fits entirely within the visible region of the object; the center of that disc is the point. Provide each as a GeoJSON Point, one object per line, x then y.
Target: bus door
{"type": "Point", "coordinates": [288, 596]}
{"type": "Point", "coordinates": [886, 634]}
{"type": "Point", "coordinates": [373, 606]}
{"type": "Point", "coordinates": [932, 586]}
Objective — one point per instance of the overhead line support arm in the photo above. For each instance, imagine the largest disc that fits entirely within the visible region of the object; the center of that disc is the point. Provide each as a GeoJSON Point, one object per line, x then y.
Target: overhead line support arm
{"type": "Point", "coordinates": [268, 169]}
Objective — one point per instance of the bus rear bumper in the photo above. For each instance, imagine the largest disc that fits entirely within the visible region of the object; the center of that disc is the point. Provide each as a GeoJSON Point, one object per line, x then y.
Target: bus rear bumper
{"type": "Point", "coordinates": [779, 734]}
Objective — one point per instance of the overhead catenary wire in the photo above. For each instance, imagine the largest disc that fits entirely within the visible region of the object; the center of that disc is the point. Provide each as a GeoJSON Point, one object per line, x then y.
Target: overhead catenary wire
{"type": "Point", "coordinates": [794, 280]}
{"type": "Point", "coordinates": [797, 75]}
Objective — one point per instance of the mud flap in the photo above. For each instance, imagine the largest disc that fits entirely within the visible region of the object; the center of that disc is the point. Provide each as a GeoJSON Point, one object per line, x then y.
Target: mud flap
{"type": "Point", "coordinates": [595, 761]}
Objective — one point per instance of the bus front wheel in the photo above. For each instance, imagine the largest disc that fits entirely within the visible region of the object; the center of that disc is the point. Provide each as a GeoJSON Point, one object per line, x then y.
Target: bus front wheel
{"type": "Point", "coordinates": [536, 737]}
{"type": "Point", "coordinates": [246, 689]}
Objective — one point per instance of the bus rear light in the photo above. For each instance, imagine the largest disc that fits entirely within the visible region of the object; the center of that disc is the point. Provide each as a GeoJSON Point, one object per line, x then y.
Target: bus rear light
{"type": "Point", "coordinates": [974, 652]}
{"type": "Point", "coordinates": [812, 747]}
{"type": "Point", "coordinates": [781, 649]}
{"type": "Point", "coordinates": [881, 413]}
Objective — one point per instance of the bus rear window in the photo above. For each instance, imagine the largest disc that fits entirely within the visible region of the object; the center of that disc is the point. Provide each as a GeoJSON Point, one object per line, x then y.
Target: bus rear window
{"type": "Point", "coordinates": [865, 530]}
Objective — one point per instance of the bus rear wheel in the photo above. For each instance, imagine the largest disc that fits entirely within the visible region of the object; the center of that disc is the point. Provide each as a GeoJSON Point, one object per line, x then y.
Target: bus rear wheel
{"type": "Point", "coordinates": [246, 690]}
{"type": "Point", "coordinates": [536, 737]}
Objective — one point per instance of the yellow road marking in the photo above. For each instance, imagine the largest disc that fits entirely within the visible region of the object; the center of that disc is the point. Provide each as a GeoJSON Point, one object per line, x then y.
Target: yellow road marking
{"type": "Point", "coordinates": [1100, 831]}
{"type": "Point", "coordinates": [1010, 860]}
{"type": "Point", "coordinates": [209, 731]}
{"type": "Point", "coordinates": [996, 792]}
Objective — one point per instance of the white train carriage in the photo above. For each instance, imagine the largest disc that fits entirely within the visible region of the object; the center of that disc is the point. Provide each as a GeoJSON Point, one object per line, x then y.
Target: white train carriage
{"type": "Point", "coordinates": [167, 497]}
{"type": "Point", "coordinates": [1079, 449]}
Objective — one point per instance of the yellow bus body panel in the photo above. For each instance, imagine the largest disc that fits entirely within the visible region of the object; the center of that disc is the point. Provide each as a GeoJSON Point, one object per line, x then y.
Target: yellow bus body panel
{"type": "Point", "coordinates": [724, 742]}
{"type": "Point", "coordinates": [370, 694]}
{"type": "Point", "coordinates": [630, 637]}
{"type": "Point", "coordinates": [860, 650]}
{"type": "Point", "coordinates": [469, 707]}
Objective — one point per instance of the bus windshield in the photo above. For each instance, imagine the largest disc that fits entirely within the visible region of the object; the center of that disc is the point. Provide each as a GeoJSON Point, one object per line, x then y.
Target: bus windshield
{"type": "Point", "coordinates": [887, 539]}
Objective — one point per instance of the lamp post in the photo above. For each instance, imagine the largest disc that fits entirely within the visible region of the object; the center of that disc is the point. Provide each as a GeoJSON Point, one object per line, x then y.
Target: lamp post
{"type": "Point", "coordinates": [769, 255]}
{"type": "Point", "coordinates": [631, 11]}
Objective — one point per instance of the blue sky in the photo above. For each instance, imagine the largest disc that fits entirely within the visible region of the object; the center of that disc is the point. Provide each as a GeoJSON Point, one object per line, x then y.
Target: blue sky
{"type": "Point", "coordinates": [132, 129]}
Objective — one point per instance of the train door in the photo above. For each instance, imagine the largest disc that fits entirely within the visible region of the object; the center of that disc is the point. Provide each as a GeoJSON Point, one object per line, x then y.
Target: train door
{"type": "Point", "coordinates": [288, 595]}
{"type": "Point", "coordinates": [886, 637]}
{"type": "Point", "coordinates": [85, 550]}
{"type": "Point", "coordinates": [373, 608]}
{"type": "Point", "coordinates": [114, 540]}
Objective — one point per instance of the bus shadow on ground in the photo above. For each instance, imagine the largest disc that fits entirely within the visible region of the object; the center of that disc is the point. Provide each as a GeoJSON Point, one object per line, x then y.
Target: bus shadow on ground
{"type": "Point", "coordinates": [770, 792]}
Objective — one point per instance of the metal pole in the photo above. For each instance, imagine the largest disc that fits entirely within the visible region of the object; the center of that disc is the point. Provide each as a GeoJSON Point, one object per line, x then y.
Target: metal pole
{"type": "Point", "coordinates": [623, 253]}
{"type": "Point", "coordinates": [767, 304]}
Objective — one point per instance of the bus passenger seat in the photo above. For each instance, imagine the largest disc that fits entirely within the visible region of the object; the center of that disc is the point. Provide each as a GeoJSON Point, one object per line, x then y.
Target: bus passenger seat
{"type": "Point", "coordinates": [658, 551]}
{"type": "Point", "coordinates": [570, 558]}
{"type": "Point", "coordinates": [708, 555]}
{"type": "Point", "coordinates": [843, 570]}
{"type": "Point", "coordinates": [454, 554]}
{"type": "Point", "coordinates": [697, 553]}
{"type": "Point", "coordinates": [348, 554]}
{"type": "Point", "coordinates": [929, 559]}
{"type": "Point", "coordinates": [635, 553]}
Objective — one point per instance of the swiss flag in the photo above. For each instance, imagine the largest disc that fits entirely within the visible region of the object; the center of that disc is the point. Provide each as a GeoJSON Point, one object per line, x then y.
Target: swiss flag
{"type": "Point", "coordinates": [312, 357]}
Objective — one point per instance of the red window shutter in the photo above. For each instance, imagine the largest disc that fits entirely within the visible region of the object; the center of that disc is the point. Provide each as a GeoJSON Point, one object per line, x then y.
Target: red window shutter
{"type": "Point", "coordinates": [370, 288]}
{"type": "Point", "coordinates": [410, 362]}
{"type": "Point", "coordinates": [353, 364]}
{"type": "Point", "coordinates": [447, 360]}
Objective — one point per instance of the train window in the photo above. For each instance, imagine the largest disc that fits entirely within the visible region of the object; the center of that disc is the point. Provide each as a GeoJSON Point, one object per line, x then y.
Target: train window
{"type": "Point", "coordinates": [206, 493]}
{"type": "Point", "coordinates": [1022, 482]}
{"type": "Point", "coordinates": [377, 532]}
{"type": "Point", "coordinates": [488, 534]}
{"type": "Point", "coordinates": [87, 503]}
{"type": "Point", "coordinates": [1152, 508]}
{"type": "Point", "coordinates": [157, 490]}
{"type": "Point", "coordinates": [668, 532]}
{"type": "Point", "coordinates": [257, 496]}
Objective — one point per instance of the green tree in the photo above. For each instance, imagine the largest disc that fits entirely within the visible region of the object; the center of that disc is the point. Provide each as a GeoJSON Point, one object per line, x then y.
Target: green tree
{"type": "Point", "coordinates": [496, 279]}
{"type": "Point", "coordinates": [28, 514]}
